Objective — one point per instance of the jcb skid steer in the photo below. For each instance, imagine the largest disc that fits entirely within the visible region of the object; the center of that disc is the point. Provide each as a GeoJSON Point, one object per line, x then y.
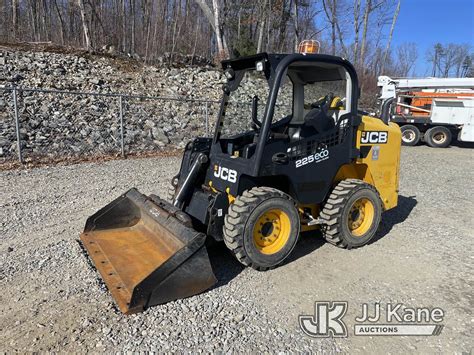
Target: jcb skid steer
{"type": "Point", "coordinates": [290, 153]}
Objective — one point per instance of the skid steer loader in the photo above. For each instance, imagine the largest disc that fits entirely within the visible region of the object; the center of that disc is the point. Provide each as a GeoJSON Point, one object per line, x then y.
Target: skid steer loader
{"type": "Point", "coordinates": [290, 153]}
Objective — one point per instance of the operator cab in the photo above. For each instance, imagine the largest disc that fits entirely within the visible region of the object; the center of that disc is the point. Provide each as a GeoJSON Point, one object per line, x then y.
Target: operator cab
{"type": "Point", "coordinates": [312, 96]}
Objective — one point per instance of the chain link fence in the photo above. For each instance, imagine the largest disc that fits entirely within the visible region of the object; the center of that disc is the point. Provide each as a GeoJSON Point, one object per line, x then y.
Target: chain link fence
{"type": "Point", "coordinates": [39, 124]}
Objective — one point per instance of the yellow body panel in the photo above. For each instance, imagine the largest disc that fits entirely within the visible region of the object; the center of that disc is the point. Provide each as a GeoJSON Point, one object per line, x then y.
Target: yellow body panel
{"type": "Point", "coordinates": [380, 170]}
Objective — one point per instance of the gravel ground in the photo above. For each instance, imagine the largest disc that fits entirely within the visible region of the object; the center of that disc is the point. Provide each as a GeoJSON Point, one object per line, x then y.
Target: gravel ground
{"type": "Point", "coordinates": [52, 300]}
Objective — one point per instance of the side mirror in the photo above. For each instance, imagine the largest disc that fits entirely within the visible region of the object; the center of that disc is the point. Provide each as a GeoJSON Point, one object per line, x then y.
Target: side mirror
{"type": "Point", "coordinates": [385, 110]}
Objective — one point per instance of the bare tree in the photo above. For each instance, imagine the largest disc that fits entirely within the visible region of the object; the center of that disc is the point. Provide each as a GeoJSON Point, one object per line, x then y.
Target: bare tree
{"type": "Point", "coordinates": [389, 41]}
{"type": "Point", "coordinates": [123, 19]}
{"type": "Point", "coordinates": [462, 52]}
{"type": "Point", "coordinates": [152, 30]}
{"type": "Point", "coordinates": [282, 26]}
{"type": "Point", "coordinates": [133, 33]}
{"type": "Point", "coordinates": [370, 7]}
{"type": "Point", "coordinates": [295, 24]}
{"type": "Point", "coordinates": [367, 11]}
{"type": "Point", "coordinates": [434, 55]}
{"type": "Point", "coordinates": [467, 67]}
{"type": "Point", "coordinates": [15, 18]}
{"type": "Point", "coordinates": [407, 54]}
{"type": "Point", "coordinates": [222, 52]}
{"type": "Point", "coordinates": [214, 19]}
{"type": "Point", "coordinates": [261, 27]}
{"type": "Point", "coordinates": [356, 24]}
{"type": "Point", "coordinates": [61, 21]}
{"type": "Point", "coordinates": [448, 60]}
{"type": "Point", "coordinates": [330, 9]}
{"type": "Point", "coordinates": [85, 26]}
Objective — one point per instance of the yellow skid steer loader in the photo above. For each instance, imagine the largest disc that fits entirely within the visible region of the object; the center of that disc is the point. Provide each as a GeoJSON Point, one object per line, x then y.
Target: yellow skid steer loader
{"type": "Point", "coordinates": [290, 153]}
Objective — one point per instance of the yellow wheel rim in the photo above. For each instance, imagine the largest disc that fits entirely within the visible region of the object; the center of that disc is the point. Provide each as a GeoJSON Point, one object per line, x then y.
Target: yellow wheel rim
{"type": "Point", "coordinates": [272, 231]}
{"type": "Point", "coordinates": [361, 217]}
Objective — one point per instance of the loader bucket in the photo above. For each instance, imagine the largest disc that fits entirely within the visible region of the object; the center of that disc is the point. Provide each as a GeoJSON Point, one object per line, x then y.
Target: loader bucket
{"type": "Point", "coordinates": [147, 252]}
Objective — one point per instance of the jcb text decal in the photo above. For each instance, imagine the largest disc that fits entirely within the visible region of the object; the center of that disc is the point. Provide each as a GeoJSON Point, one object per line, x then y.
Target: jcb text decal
{"type": "Point", "coordinates": [226, 174]}
{"type": "Point", "coordinates": [374, 137]}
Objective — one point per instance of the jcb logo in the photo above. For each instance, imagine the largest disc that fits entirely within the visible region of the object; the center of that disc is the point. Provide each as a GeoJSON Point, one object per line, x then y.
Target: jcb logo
{"type": "Point", "coordinates": [374, 137]}
{"type": "Point", "coordinates": [326, 321]}
{"type": "Point", "coordinates": [225, 173]}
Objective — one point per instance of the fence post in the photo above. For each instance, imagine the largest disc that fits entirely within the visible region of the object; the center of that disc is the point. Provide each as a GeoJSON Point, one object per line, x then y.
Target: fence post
{"type": "Point", "coordinates": [121, 126]}
{"type": "Point", "coordinates": [207, 119]}
{"type": "Point", "coordinates": [17, 124]}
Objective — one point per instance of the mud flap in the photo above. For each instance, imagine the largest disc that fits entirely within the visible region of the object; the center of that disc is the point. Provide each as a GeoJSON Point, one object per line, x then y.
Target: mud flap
{"type": "Point", "coordinates": [147, 252]}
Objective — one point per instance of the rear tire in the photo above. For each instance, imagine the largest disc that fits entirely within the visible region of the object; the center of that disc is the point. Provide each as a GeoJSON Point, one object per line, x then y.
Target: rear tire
{"type": "Point", "coordinates": [262, 227]}
{"type": "Point", "coordinates": [351, 214]}
{"type": "Point", "coordinates": [410, 135]}
{"type": "Point", "coordinates": [438, 137]}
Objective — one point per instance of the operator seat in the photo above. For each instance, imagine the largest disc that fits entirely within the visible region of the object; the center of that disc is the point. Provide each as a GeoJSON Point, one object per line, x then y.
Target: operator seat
{"type": "Point", "coordinates": [320, 118]}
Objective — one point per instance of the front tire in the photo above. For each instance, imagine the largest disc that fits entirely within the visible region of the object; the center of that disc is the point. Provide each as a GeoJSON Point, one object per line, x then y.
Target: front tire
{"type": "Point", "coordinates": [262, 227]}
{"type": "Point", "coordinates": [410, 135]}
{"type": "Point", "coordinates": [351, 214]}
{"type": "Point", "coordinates": [438, 137]}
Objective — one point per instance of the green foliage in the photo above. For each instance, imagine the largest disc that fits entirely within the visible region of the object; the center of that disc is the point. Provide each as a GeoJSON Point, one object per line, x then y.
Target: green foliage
{"type": "Point", "coordinates": [244, 47]}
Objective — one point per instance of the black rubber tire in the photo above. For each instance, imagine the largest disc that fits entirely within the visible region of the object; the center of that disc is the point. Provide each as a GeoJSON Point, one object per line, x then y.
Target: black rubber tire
{"type": "Point", "coordinates": [415, 135]}
{"type": "Point", "coordinates": [243, 214]}
{"type": "Point", "coordinates": [336, 210]}
{"type": "Point", "coordinates": [432, 133]}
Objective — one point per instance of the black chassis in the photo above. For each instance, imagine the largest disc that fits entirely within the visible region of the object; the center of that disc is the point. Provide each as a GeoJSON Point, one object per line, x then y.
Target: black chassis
{"type": "Point", "coordinates": [422, 123]}
{"type": "Point", "coordinates": [417, 120]}
{"type": "Point", "coordinates": [273, 161]}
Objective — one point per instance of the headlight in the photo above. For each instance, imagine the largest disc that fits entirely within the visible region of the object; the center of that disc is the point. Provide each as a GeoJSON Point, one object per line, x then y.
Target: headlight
{"type": "Point", "coordinates": [226, 89]}
{"type": "Point", "coordinates": [175, 181]}
{"type": "Point", "coordinates": [229, 74]}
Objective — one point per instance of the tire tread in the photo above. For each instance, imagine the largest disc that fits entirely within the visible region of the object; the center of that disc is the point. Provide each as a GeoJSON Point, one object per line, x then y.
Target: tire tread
{"type": "Point", "coordinates": [332, 210]}
{"type": "Point", "coordinates": [239, 211]}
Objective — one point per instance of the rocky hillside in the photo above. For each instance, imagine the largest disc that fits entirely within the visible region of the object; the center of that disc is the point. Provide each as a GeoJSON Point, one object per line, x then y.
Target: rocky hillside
{"type": "Point", "coordinates": [56, 126]}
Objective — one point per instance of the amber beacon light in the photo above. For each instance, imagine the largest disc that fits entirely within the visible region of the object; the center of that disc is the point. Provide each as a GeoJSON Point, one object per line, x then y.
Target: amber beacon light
{"type": "Point", "coordinates": [309, 46]}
